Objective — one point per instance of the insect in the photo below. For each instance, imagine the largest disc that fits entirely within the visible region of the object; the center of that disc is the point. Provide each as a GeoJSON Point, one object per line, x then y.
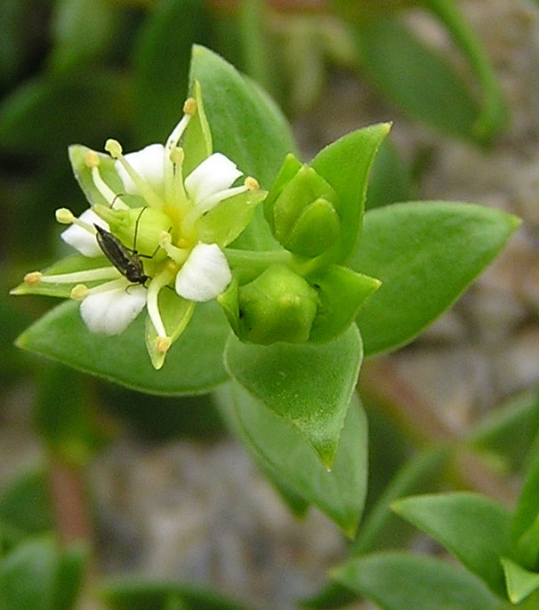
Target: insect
{"type": "Point", "coordinates": [125, 260]}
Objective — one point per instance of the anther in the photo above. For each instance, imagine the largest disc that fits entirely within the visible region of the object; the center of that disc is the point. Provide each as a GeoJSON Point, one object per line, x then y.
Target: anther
{"type": "Point", "coordinates": [162, 344]}
{"type": "Point", "coordinates": [177, 155]}
{"type": "Point", "coordinates": [33, 278]}
{"type": "Point", "coordinates": [251, 183]}
{"type": "Point", "coordinates": [190, 106]}
{"type": "Point", "coordinates": [64, 216]}
{"type": "Point", "coordinates": [79, 292]}
{"type": "Point", "coordinates": [91, 159]}
{"type": "Point", "coordinates": [114, 148]}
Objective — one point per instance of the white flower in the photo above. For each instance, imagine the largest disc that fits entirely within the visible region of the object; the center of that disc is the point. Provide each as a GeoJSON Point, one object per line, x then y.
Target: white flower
{"type": "Point", "coordinates": [157, 211]}
{"type": "Point", "coordinates": [204, 275]}
{"type": "Point", "coordinates": [79, 237]}
{"type": "Point", "coordinates": [111, 311]}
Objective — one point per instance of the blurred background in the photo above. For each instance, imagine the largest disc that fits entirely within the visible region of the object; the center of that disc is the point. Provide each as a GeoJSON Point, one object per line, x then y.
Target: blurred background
{"type": "Point", "coordinates": [171, 493]}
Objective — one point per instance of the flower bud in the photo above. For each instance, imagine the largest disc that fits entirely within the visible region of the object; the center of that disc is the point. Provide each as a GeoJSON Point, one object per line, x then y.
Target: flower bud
{"type": "Point", "coordinates": [300, 209]}
{"type": "Point", "coordinates": [139, 229]}
{"type": "Point", "coordinates": [279, 305]}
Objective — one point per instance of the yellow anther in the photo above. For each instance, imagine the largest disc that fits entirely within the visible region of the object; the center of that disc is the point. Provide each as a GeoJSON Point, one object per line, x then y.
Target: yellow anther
{"type": "Point", "coordinates": [251, 183]}
{"type": "Point", "coordinates": [79, 292]}
{"type": "Point", "coordinates": [162, 344]}
{"type": "Point", "coordinates": [113, 147]}
{"type": "Point", "coordinates": [64, 216]}
{"type": "Point", "coordinates": [91, 159]}
{"type": "Point", "coordinates": [190, 106]}
{"type": "Point", "coordinates": [32, 278]}
{"type": "Point", "coordinates": [177, 155]}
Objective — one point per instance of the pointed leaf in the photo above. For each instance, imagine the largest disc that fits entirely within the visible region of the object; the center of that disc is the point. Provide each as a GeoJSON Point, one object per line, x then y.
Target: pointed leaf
{"type": "Point", "coordinates": [524, 529]}
{"type": "Point", "coordinates": [288, 460]}
{"type": "Point", "coordinates": [415, 78]}
{"type": "Point", "coordinates": [194, 362]}
{"type": "Point", "coordinates": [520, 582]}
{"type": "Point", "coordinates": [246, 126]}
{"type": "Point", "coordinates": [308, 386]}
{"type": "Point", "coordinates": [425, 254]}
{"type": "Point", "coordinates": [345, 165]}
{"type": "Point", "coordinates": [471, 527]}
{"type": "Point", "coordinates": [397, 581]}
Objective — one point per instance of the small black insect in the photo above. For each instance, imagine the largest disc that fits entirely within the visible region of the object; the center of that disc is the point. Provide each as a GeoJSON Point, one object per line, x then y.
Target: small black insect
{"type": "Point", "coordinates": [125, 260]}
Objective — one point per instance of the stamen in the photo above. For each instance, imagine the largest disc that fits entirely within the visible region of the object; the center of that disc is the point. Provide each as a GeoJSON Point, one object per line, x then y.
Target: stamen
{"type": "Point", "coordinates": [210, 202]}
{"type": "Point", "coordinates": [89, 275]}
{"type": "Point", "coordinates": [152, 302]}
{"type": "Point", "coordinates": [114, 148]}
{"type": "Point", "coordinates": [33, 278]}
{"type": "Point", "coordinates": [173, 161]}
{"type": "Point", "coordinates": [79, 292]}
{"type": "Point", "coordinates": [93, 161]}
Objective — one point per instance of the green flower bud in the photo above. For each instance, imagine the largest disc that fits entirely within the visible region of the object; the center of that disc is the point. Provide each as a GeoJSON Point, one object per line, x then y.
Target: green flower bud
{"type": "Point", "coordinates": [278, 305]}
{"type": "Point", "coordinates": [137, 228]}
{"type": "Point", "coordinates": [301, 210]}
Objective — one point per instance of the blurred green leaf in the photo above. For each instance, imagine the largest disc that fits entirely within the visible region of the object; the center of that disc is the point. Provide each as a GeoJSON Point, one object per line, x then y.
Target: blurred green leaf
{"type": "Point", "coordinates": [339, 494]}
{"type": "Point", "coordinates": [426, 254]}
{"type": "Point", "coordinates": [161, 65]}
{"type": "Point", "coordinates": [66, 416]}
{"type": "Point", "coordinates": [390, 179]}
{"type": "Point", "coordinates": [508, 433]}
{"type": "Point", "coordinates": [308, 386]}
{"type": "Point", "coordinates": [25, 506]}
{"type": "Point", "coordinates": [37, 575]}
{"type": "Point", "coordinates": [194, 363]}
{"type": "Point", "coordinates": [82, 30]}
{"type": "Point", "coordinates": [525, 526]}
{"type": "Point", "coordinates": [415, 78]}
{"type": "Point", "coordinates": [140, 594]}
{"type": "Point", "coordinates": [45, 115]}
{"type": "Point", "coordinates": [398, 581]}
{"type": "Point", "coordinates": [470, 526]}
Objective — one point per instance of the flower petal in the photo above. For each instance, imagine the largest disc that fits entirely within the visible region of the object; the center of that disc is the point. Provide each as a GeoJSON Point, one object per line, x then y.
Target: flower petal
{"type": "Point", "coordinates": [110, 312]}
{"type": "Point", "coordinates": [149, 165]}
{"type": "Point", "coordinates": [82, 240]}
{"type": "Point", "coordinates": [205, 274]}
{"type": "Point", "coordinates": [214, 174]}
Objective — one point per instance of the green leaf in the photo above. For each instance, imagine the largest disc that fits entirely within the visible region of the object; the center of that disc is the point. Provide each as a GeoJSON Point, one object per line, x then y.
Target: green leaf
{"type": "Point", "coordinates": [525, 526]}
{"type": "Point", "coordinates": [471, 527]}
{"type": "Point", "coordinates": [45, 115]}
{"type": "Point", "coordinates": [398, 581]}
{"type": "Point", "coordinates": [308, 386]}
{"type": "Point", "coordinates": [161, 65]}
{"type": "Point", "coordinates": [194, 362]}
{"type": "Point", "coordinates": [40, 576]}
{"type": "Point", "coordinates": [82, 30]}
{"type": "Point", "coordinates": [25, 504]}
{"type": "Point", "coordinates": [289, 461]}
{"type": "Point", "coordinates": [246, 126]}
{"type": "Point", "coordinates": [415, 78]}
{"type": "Point", "coordinates": [140, 594]}
{"type": "Point", "coordinates": [507, 433]}
{"type": "Point", "coordinates": [520, 582]}
{"type": "Point", "coordinates": [341, 292]}
{"type": "Point", "coordinates": [345, 165]}
{"type": "Point", "coordinates": [425, 254]}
